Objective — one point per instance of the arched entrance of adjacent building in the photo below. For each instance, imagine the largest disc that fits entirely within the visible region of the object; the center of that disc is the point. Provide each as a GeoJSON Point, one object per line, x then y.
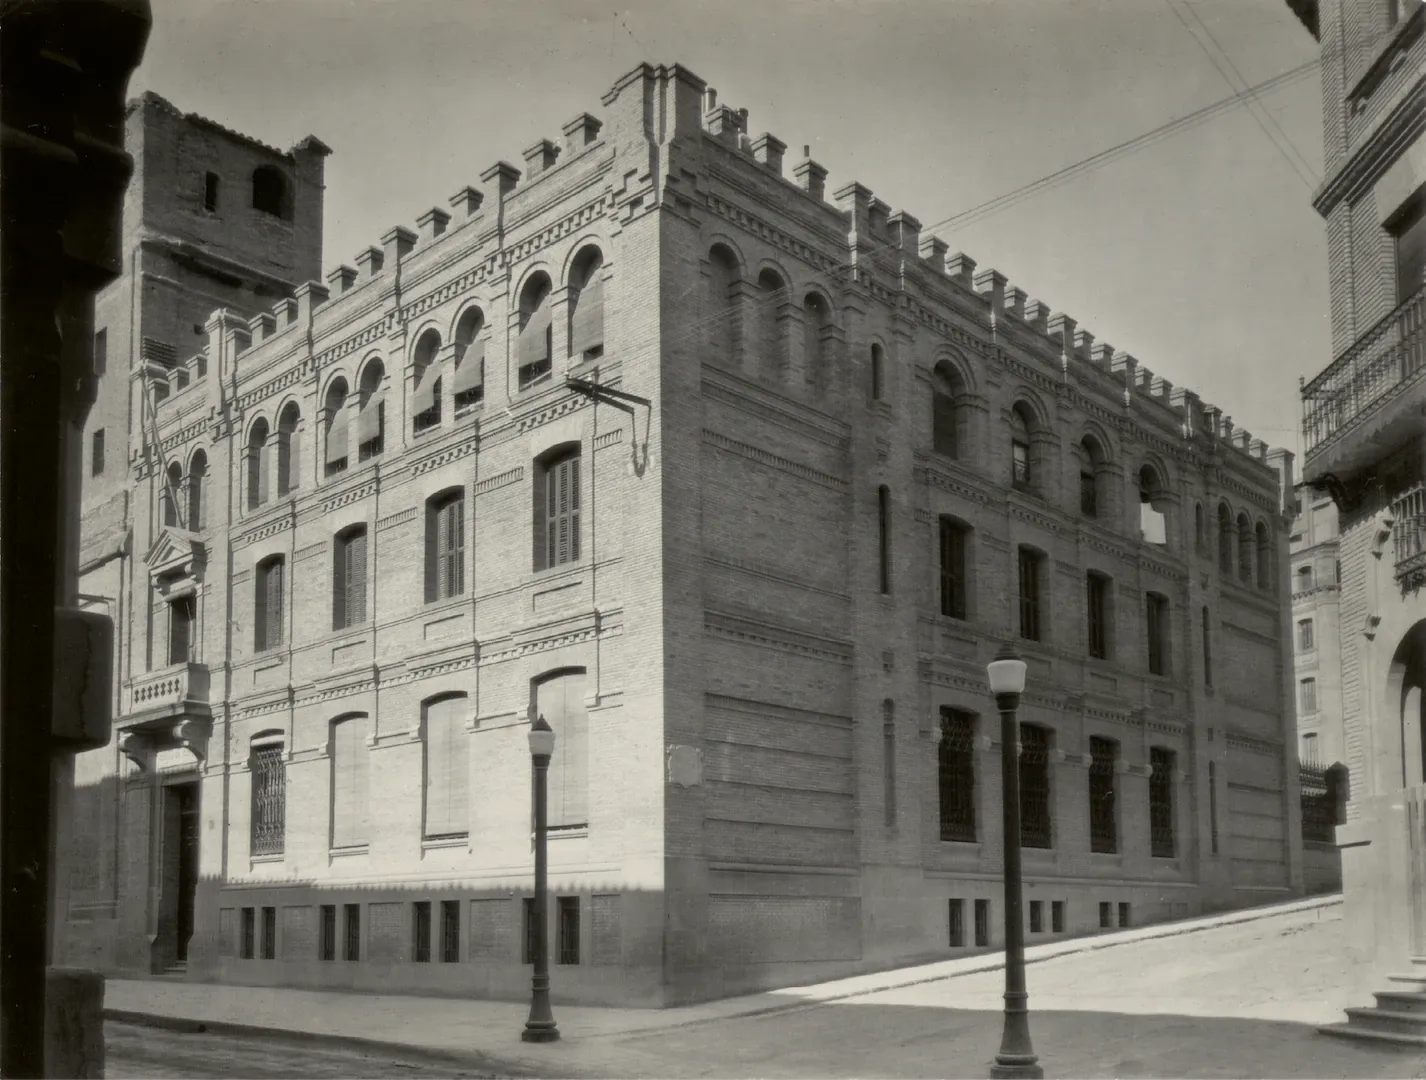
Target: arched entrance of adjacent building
{"type": "Point", "coordinates": [1406, 686]}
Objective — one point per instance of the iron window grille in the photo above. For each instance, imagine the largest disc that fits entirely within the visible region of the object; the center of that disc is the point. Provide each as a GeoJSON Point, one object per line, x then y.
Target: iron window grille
{"type": "Point", "coordinates": [1098, 611]}
{"type": "Point", "coordinates": [567, 931]}
{"type": "Point", "coordinates": [1123, 913]}
{"type": "Point", "coordinates": [1035, 819]}
{"type": "Point", "coordinates": [1029, 595]}
{"type": "Point", "coordinates": [1156, 616]}
{"type": "Point", "coordinates": [956, 923]}
{"type": "Point", "coordinates": [1057, 916]}
{"type": "Point", "coordinates": [1161, 832]}
{"type": "Point", "coordinates": [450, 931]}
{"type": "Point", "coordinates": [269, 800]}
{"type": "Point", "coordinates": [1319, 804]}
{"type": "Point", "coordinates": [269, 933]}
{"type": "Point", "coordinates": [351, 915]}
{"type": "Point", "coordinates": [329, 932]}
{"type": "Point", "coordinates": [1103, 824]}
{"type": "Point", "coordinates": [249, 933]}
{"type": "Point", "coordinates": [1037, 916]}
{"type": "Point", "coordinates": [982, 922]}
{"type": "Point", "coordinates": [1088, 495]}
{"type": "Point", "coordinates": [953, 569]}
{"type": "Point", "coordinates": [1106, 915]}
{"type": "Point", "coordinates": [956, 769]}
{"type": "Point", "coordinates": [421, 932]}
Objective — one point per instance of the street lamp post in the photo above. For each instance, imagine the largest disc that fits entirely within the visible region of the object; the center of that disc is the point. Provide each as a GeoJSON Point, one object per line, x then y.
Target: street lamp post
{"type": "Point", "coordinates": [540, 1027]}
{"type": "Point", "coordinates": [1017, 1056]}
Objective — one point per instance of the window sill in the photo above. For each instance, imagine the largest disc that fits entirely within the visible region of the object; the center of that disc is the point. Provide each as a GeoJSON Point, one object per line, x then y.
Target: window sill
{"type": "Point", "coordinates": [344, 852]}
{"type": "Point", "coordinates": [573, 832]}
{"type": "Point", "coordinates": [433, 843]}
{"type": "Point", "coordinates": [961, 846]}
{"type": "Point", "coordinates": [256, 859]}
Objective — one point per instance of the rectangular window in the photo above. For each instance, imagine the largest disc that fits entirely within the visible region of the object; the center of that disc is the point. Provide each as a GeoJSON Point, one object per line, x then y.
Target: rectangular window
{"type": "Point", "coordinates": [1304, 634]}
{"type": "Point", "coordinates": [1309, 748]}
{"type": "Point", "coordinates": [96, 452]}
{"type": "Point", "coordinates": [1106, 915]}
{"type": "Point", "coordinates": [329, 932]}
{"type": "Point", "coordinates": [1037, 916]}
{"type": "Point", "coordinates": [982, 922]}
{"type": "Point", "coordinates": [1123, 913]}
{"type": "Point", "coordinates": [560, 700]}
{"type": "Point", "coordinates": [1020, 464]}
{"type": "Point", "coordinates": [349, 580]}
{"type": "Point", "coordinates": [956, 775]}
{"type": "Point", "coordinates": [269, 800]}
{"type": "Point", "coordinates": [1207, 650]}
{"type": "Point", "coordinates": [1309, 695]}
{"type": "Point", "coordinates": [1408, 232]}
{"type": "Point", "coordinates": [351, 782]}
{"type": "Point", "coordinates": [1213, 806]}
{"type": "Point", "coordinates": [268, 625]}
{"type": "Point", "coordinates": [1103, 813]}
{"type": "Point", "coordinates": [943, 424]}
{"type": "Point", "coordinates": [1029, 594]}
{"type": "Point", "coordinates": [351, 916]}
{"type": "Point", "coordinates": [180, 629]}
{"type": "Point", "coordinates": [445, 547]}
{"type": "Point", "coordinates": [1098, 612]}
{"type": "Point", "coordinates": [269, 933]}
{"type": "Point", "coordinates": [421, 932]}
{"type": "Point", "coordinates": [101, 351]}
{"type": "Point", "coordinates": [447, 768]}
{"type": "Point", "coordinates": [1161, 808]}
{"type": "Point", "coordinates": [557, 512]}
{"type": "Point", "coordinates": [248, 948]}
{"type": "Point", "coordinates": [883, 526]}
{"type": "Point", "coordinates": [527, 909]}
{"type": "Point", "coordinates": [210, 192]}
{"type": "Point", "coordinates": [567, 930]}
{"type": "Point", "coordinates": [450, 931]}
{"type": "Point", "coordinates": [953, 568]}
{"type": "Point", "coordinates": [1088, 495]}
{"type": "Point", "coordinates": [1156, 612]}
{"type": "Point", "coordinates": [1035, 814]}
{"type": "Point", "coordinates": [1057, 916]}
{"type": "Point", "coordinates": [888, 752]}
{"type": "Point", "coordinates": [956, 923]}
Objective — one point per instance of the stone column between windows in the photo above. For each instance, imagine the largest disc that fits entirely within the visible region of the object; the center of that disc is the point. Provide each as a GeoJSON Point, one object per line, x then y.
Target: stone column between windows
{"type": "Point", "coordinates": [1183, 816]}
{"type": "Point", "coordinates": [1133, 800]}
{"type": "Point", "coordinates": [560, 360]}
{"type": "Point", "coordinates": [742, 310]}
{"type": "Point", "coordinates": [988, 822]}
{"type": "Point", "coordinates": [1072, 805]}
{"type": "Point", "coordinates": [791, 329]}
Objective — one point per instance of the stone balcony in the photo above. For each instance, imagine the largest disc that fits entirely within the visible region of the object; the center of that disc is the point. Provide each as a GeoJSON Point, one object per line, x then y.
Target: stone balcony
{"type": "Point", "coordinates": [172, 691]}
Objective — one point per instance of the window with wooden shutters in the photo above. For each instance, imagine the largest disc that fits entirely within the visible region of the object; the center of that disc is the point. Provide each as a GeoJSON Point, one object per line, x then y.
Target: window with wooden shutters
{"type": "Point", "coordinates": [257, 462]}
{"type": "Point", "coordinates": [445, 546]}
{"type": "Point", "coordinates": [289, 451]}
{"type": "Point", "coordinates": [267, 625]}
{"type": "Point", "coordinates": [560, 700]}
{"type": "Point", "coordinates": [557, 517]}
{"type": "Point", "coordinates": [532, 347]}
{"type": "Point", "coordinates": [1098, 586]}
{"type": "Point", "coordinates": [349, 579]}
{"type": "Point", "coordinates": [338, 432]}
{"type": "Point", "coordinates": [447, 767]}
{"type": "Point", "coordinates": [180, 629]}
{"type": "Point", "coordinates": [954, 541]}
{"type": "Point", "coordinates": [351, 783]}
{"type": "Point", "coordinates": [586, 320]}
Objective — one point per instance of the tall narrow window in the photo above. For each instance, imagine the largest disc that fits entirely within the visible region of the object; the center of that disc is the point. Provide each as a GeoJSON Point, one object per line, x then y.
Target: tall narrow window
{"type": "Point", "coordinates": [1021, 466]}
{"type": "Point", "coordinates": [421, 932]}
{"type": "Point", "coordinates": [337, 436]}
{"type": "Point", "coordinates": [1225, 539]}
{"type": "Point", "coordinates": [557, 509]}
{"type": "Point", "coordinates": [1207, 649]}
{"type": "Point", "coordinates": [1092, 463]}
{"type": "Point", "coordinates": [1304, 579]}
{"type": "Point", "coordinates": [586, 302]}
{"type": "Point", "coordinates": [533, 347]}
{"type": "Point", "coordinates": [351, 783]}
{"type": "Point", "coordinates": [349, 578]}
{"type": "Point", "coordinates": [1265, 555]}
{"type": "Point", "coordinates": [1029, 560]}
{"type": "Point", "coordinates": [181, 612]}
{"type": "Point", "coordinates": [257, 461]}
{"type": "Point", "coordinates": [371, 411]}
{"type": "Point", "coordinates": [1153, 526]}
{"type": "Point", "coordinates": [1309, 695]}
{"type": "Point", "coordinates": [447, 767]}
{"type": "Point", "coordinates": [956, 775]}
{"type": "Point", "coordinates": [172, 493]}
{"type": "Point", "coordinates": [956, 924]}
{"type": "Point", "coordinates": [1088, 495]}
{"type": "Point", "coordinates": [450, 931]}
{"type": "Point", "coordinates": [445, 546]}
{"type": "Point", "coordinates": [269, 798]}
{"type": "Point", "coordinates": [197, 478]}
{"type": "Point", "coordinates": [954, 537]}
{"type": "Point", "coordinates": [1200, 536]}
{"type": "Point", "coordinates": [1245, 549]}
{"type": "Point", "coordinates": [1304, 634]}
{"type": "Point", "coordinates": [269, 191]}
{"type": "Point", "coordinates": [1408, 232]}
{"type": "Point", "coordinates": [289, 446]}
{"type": "Point", "coordinates": [982, 922]}
{"type": "Point", "coordinates": [1156, 617]}
{"type": "Point", "coordinates": [1097, 607]}
{"type": "Point", "coordinates": [247, 950]}
{"type": "Point", "coordinates": [816, 328]}
{"type": "Point", "coordinates": [268, 624]}
{"type": "Point", "coordinates": [948, 411]}
{"type": "Point", "coordinates": [351, 938]}
{"type": "Point", "coordinates": [878, 373]}
{"type": "Point", "coordinates": [96, 452]}
{"type": "Point", "coordinates": [426, 397]}
{"type": "Point", "coordinates": [724, 314]}
{"type": "Point", "coordinates": [468, 383]}
{"type": "Point", "coordinates": [1213, 806]}
{"type": "Point", "coordinates": [328, 947]}
{"type": "Point", "coordinates": [269, 933]}
{"type": "Point", "coordinates": [210, 192]}
{"type": "Point", "coordinates": [1036, 829]}
{"type": "Point", "coordinates": [1161, 780]}
{"type": "Point", "coordinates": [101, 351]}
{"type": "Point", "coordinates": [1307, 754]}
{"type": "Point", "coordinates": [567, 929]}
{"type": "Point", "coordinates": [883, 533]}
{"type": "Point", "coordinates": [771, 304]}
{"type": "Point", "coordinates": [888, 759]}
{"type": "Point", "coordinates": [1103, 812]}
{"type": "Point", "coordinates": [560, 700]}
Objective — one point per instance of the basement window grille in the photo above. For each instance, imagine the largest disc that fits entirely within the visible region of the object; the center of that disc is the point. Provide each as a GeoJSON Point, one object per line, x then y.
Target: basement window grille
{"type": "Point", "coordinates": [450, 931]}
{"type": "Point", "coordinates": [568, 930]}
{"type": "Point", "coordinates": [352, 918]}
{"type": "Point", "coordinates": [982, 923]}
{"type": "Point", "coordinates": [421, 932]}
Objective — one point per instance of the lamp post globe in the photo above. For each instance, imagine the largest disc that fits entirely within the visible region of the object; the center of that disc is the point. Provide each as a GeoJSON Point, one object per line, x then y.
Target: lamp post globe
{"type": "Point", "coordinates": [540, 1027]}
{"type": "Point", "coordinates": [1016, 1060]}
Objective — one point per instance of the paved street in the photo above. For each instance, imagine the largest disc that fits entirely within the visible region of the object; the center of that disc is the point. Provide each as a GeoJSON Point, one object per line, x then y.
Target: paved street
{"type": "Point", "coordinates": [1234, 1000]}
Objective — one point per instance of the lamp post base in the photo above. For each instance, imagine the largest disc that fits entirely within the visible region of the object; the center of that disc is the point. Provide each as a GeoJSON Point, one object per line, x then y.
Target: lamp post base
{"type": "Point", "coordinates": [1016, 1067]}
{"type": "Point", "coordinates": [540, 1034]}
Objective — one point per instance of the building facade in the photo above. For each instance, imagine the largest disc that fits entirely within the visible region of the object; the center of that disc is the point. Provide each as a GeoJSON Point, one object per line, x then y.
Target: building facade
{"type": "Point", "coordinates": [740, 486]}
{"type": "Point", "coordinates": [1365, 446]}
{"type": "Point", "coordinates": [1317, 649]}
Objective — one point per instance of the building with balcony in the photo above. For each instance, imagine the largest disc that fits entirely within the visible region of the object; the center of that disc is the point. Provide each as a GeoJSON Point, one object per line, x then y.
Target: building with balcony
{"type": "Point", "coordinates": [1364, 432]}
{"type": "Point", "coordinates": [739, 486]}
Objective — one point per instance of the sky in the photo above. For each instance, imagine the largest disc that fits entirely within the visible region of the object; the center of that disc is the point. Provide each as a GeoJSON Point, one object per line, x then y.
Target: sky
{"type": "Point", "coordinates": [1199, 253]}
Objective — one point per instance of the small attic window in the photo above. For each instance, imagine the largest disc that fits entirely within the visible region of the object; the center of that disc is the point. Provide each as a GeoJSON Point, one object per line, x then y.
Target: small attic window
{"type": "Point", "coordinates": [269, 191]}
{"type": "Point", "coordinates": [210, 192]}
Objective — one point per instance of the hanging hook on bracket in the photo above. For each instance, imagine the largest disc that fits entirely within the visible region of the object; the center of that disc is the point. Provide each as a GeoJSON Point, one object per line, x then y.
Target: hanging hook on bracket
{"type": "Point", "coordinates": [624, 402]}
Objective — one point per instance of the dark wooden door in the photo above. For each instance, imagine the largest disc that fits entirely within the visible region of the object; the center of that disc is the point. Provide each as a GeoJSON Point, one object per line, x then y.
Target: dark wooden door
{"type": "Point", "coordinates": [188, 834]}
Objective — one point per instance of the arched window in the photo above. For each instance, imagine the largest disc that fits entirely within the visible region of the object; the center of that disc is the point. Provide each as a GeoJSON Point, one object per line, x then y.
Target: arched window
{"type": "Point", "coordinates": [351, 781]}
{"type": "Point", "coordinates": [371, 415]}
{"type": "Point", "coordinates": [289, 464]}
{"type": "Point", "coordinates": [468, 382]}
{"type": "Point", "coordinates": [950, 412]}
{"type": "Point", "coordinates": [446, 766]}
{"type": "Point", "coordinates": [557, 508]}
{"type": "Point", "coordinates": [559, 698]}
{"type": "Point", "coordinates": [586, 306]}
{"type": "Point", "coordinates": [1264, 549]}
{"type": "Point", "coordinates": [257, 456]}
{"type": "Point", "coordinates": [1245, 549]}
{"type": "Point", "coordinates": [533, 349]}
{"type": "Point", "coordinates": [172, 492]}
{"type": "Point", "coordinates": [270, 191]}
{"type": "Point", "coordinates": [445, 545]}
{"type": "Point", "coordinates": [772, 343]}
{"type": "Point", "coordinates": [1093, 495]}
{"type": "Point", "coordinates": [1153, 525]}
{"type": "Point", "coordinates": [349, 578]}
{"type": "Point", "coordinates": [1225, 539]}
{"type": "Point", "coordinates": [197, 477]}
{"type": "Point", "coordinates": [1023, 459]}
{"type": "Point", "coordinates": [337, 435]}
{"type": "Point", "coordinates": [426, 402]}
{"type": "Point", "coordinates": [724, 324]}
{"type": "Point", "coordinates": [878, 373]}
{"type": "Point", "coordinates": [816, 328]}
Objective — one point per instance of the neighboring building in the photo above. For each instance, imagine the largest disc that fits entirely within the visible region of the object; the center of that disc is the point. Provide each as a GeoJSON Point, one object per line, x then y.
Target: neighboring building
{"type": "Point", "coordinates": [740, 489]}
{"type": "Point", "coordinates": [1316, 634]}
{"type": "Point", "coordinates": [1364, 436]}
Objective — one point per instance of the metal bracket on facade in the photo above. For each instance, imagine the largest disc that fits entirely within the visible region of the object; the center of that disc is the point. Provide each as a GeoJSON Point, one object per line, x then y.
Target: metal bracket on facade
{"type": "Point", "coordinates": [624, 402]}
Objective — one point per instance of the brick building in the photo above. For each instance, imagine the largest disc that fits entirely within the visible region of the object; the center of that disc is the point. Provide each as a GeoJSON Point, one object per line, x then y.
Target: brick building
{"type": "Point", "coordinates": [1364, 440]}
{"type": "Point", "coordinates": [740, 486]}
{"type": "Point", "coordinates": [1317, 644]}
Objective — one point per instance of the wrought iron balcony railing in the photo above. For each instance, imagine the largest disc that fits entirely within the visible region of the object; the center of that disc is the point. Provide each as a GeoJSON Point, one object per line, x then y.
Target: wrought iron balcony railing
{"type": "Point", "coordinates": [1408, 531]}
{"type": "Point", "coordinates": [1384, 360]}
{"type": "Point", "coordinates": [179, 684]}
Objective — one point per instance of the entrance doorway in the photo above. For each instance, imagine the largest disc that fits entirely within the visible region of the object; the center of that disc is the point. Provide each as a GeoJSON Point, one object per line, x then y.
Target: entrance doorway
{"type": "Point", "coordinates": [1408, 679]}
{"type": "Point", "coordinates": [183, 805]}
